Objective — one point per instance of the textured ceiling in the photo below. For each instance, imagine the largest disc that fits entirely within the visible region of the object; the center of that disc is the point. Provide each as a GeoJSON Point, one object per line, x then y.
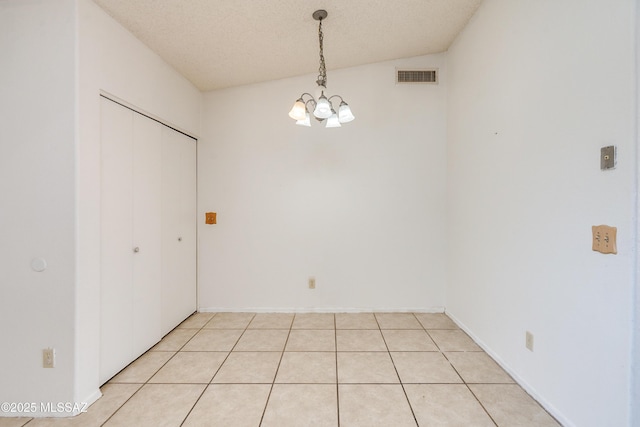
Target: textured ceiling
{"type": "Point", "coordinates": [223, 43]}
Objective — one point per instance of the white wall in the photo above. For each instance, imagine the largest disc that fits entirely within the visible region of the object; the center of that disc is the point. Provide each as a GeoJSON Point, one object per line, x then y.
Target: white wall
{"type": "Point", "coordinates": [531, 103]}
{"type": "Point", "coordinates": [361, 208]}
{"type": "Point", "coordinates": [37, 140]}
{"type": "Point", "coordinates": [57, 57]}
{"type": "Point", "coordinates": [112, 60]}
{"type": "Point", "coordinates": [536, 88]}
{"type": "Point", "coordinates": [635, 354]}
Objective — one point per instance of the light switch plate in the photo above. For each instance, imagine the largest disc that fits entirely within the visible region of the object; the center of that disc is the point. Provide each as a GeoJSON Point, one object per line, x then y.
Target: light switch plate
{"type": "Point", "coordinates": [604, 239]}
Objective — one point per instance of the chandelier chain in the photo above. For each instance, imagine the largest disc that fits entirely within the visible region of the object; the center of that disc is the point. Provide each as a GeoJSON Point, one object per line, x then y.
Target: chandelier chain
{"type": "Point", "coordinates": [322, 70]}
{"type": "Point", "coordinates": [321, 104]}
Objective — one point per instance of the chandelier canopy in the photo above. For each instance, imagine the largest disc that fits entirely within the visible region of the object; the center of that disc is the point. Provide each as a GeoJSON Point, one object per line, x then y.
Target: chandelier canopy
{"type": "Point", "coordinates": [322, 107]}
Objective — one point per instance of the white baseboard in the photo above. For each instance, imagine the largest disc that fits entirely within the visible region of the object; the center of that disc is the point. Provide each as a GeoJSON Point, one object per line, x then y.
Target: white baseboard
{"type": "Point", "coordinates": [93, 397]}
{"type": "Point", "coordinates": [319, 310]}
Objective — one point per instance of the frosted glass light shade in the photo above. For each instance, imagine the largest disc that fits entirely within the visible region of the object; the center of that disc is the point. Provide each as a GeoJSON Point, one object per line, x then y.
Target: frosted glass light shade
{"type": "Point", "coordinates": [305, 122]}
{"type": "Point", "coordinates": [298, 111]}
{"type": "Point", "coordinates": [333, 121]}
{"type": "Point", "coordinates": [344, 113]}
{"type": "Point", "coordinates": [323, 108]}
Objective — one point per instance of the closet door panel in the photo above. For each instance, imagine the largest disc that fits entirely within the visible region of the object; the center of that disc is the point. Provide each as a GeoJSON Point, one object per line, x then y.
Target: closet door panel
{"type": "Point", "coordinates": [179, 228]}
{"type": "Point", "coordinates": [188, 223]}
{"type": "Point", "coordinates": [147, 232]}
{"type": "Point", "coordinates": [116, 229]}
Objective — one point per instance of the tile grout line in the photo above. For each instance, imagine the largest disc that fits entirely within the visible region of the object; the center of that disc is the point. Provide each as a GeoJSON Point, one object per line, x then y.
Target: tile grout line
{"type": "Point", "coordinates": [194, 404]}
{"type": "Point", "coordinates": [415, 419]}
{"type": "Point", "coordinates": [480, 403]}
{"type": "Point", "coordinates": [219, 367]}
{"type": "Point", "coordinates": [335, 335]}
{"type": "Point", "coordinates": [273, 383]}
{"type": "Point", "coordinates": [404, 390]}
{"type": "Point", "coordinates": [181, 349]}
{"type": "Point", "coordinates": [152, 375]}
{"type": "Point", "coordinates": [464, 382]}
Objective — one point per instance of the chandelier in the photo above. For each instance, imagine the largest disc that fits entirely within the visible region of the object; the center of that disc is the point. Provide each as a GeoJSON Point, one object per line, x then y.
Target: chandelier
{"type": "Point", "coordinates": [322, 107]}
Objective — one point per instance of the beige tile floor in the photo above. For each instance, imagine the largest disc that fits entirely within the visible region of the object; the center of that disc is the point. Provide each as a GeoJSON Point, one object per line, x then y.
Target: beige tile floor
{"type": "Point", "coordinates": [364, 369]}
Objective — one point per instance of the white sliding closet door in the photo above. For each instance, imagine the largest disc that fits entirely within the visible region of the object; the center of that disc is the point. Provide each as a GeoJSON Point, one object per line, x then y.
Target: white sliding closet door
{"type": "Point", "coordinates": [148, 234]}
{"type": "Point", "coordinates": [116, 302]}
{"type": "Point", "coordinates": [179, 228]}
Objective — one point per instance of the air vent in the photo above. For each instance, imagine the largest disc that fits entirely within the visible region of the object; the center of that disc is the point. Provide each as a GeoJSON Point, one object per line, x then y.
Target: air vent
{"type": "Point", "coordinates": [417, 76]}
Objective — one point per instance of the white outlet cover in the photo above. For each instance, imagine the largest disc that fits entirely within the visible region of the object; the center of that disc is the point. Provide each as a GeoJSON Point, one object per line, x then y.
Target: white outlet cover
{"type": "Point", "coordinates": [49, 358]}
{"type": "Point", "coordinates": [529, 341]}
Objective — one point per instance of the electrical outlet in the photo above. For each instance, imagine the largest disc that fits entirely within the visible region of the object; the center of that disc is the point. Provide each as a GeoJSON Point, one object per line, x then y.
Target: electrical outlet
{"type": "Point", "coordinates": [49, 358]}
{"type": "Point", "coordinates": [529, 340]}
{"type": "Point", "coordinates": [312, 282]}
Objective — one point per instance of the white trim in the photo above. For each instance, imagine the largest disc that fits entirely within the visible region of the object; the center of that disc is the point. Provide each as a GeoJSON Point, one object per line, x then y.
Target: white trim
{"type": "Point", "coordinates": [93, 397]}
{"type": "Point", "coordinates": [318, 310]}
{"type": "Point", "coordinates": [152, 116]}
{"type": "Point", "coordinates": [634, 391]}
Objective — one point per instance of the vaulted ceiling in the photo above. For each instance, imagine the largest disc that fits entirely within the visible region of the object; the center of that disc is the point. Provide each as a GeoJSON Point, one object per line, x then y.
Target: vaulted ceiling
{"type": "Point", "coordinates": [223, 43]}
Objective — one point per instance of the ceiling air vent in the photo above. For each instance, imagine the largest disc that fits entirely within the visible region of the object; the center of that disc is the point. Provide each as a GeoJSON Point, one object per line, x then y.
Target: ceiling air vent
{"type": "Point", "coordinates": [417, 76]}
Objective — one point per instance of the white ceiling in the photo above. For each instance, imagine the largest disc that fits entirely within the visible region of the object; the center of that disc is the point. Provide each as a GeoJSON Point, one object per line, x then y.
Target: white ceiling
{"type": "Point", "coordinates": [223, 43]}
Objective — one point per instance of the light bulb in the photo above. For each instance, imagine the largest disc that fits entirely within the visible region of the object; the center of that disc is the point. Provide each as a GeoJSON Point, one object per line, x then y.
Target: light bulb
{"type": "Point", "coordinates": [305, 122]}
{"type": "Point", "coordinates": [323, 108]}
{"type": "Point", "coordinates": [344, 113]}
{"type": "Point", "coordinates": [298, 111]}
{"type": "Point", "coordinates": [333, 121]}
